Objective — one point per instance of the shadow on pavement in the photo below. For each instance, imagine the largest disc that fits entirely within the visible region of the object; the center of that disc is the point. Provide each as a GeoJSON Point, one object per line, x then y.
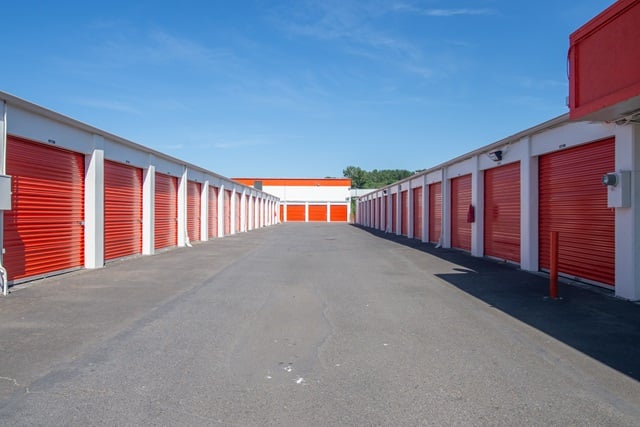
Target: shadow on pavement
{"type": "Point", "coordinates": [591, 320]}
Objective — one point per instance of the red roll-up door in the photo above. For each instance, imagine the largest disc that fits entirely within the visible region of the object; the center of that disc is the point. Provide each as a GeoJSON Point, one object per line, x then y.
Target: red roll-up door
{"type": "Point", "coordinates": [404, 219]}
{"type": "Point", "coordinates": [237, 212]}
{"type": "Point", "coordinates": [383, 213]}
{"type": "Point", "coordinates": [256, 212]}
{"type": "Point", "coordinates": [281, 213]}
{"type": "Point", "coordinates": [213, 211]}
{"type": "Point", "coordinates": [252, 213]}
{"type": "Point", "coordinates": [246, 212]}
{"type": "Point", "coordinates": [435, 212]}
{"type": "Point", "coordinates": [318, 213]}
{"type": "Point", "coordinates": [460, 201]}
{"type": "Point", "coordinates": [394, 211]}
{"type": "Point", "coordinates": [122, 210]}
{"type": "Point", "coordinates": [227, 212]}
{"type": "Point", "coordinates": [417, 213]}
{"type": "Point", "coordinates": [43, 231]}
{"type": "Point", "coordinates": [502, 212]}
{"type": "Point", "coordinates": [573, 202]}
{"type": "Point", "coordinates": [338, 213]}
{"type": "Point", "coordinates": [166, 211]}
{"type": "Point", "coordinates": [193, 210]}
{"type": "Point", "coordinates": [295, 213]}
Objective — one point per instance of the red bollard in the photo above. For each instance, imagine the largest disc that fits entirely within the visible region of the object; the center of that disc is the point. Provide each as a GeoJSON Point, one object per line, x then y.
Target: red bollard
{"type": "Point", "coordinates": [553, 261]}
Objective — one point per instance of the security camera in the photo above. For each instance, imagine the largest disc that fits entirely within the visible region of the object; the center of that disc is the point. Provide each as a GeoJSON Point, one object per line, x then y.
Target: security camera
{"type": "Point", "coordinates": [610, 179]}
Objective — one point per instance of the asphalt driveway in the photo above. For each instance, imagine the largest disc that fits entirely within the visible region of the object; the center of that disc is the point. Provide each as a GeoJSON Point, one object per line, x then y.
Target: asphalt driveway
{"type": "Point", "coordinates": [315, 324]}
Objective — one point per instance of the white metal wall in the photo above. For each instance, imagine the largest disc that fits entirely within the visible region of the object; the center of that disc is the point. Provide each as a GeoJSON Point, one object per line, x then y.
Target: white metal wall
{"type": "Point", "coordinates": [526, 147]}
{"type": "Point", "coordinates": [29, 121]}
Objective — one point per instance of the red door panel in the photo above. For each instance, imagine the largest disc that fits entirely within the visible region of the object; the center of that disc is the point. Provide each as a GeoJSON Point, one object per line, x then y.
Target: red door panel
{"type": "Point", "coordinates": [193, 210]}
{"type": "Point", "coordinates": [394, 212]}
{"type": "Point", "coordinates": [383, 213]}
{"type": "Point", "coordinates": [417, 213]}
{"type": "Point", "coordinates": [338, 213]}
{"type": "Point", "coordinates": [435, 212]}
{"type": "Point", "coordinates": [213, 211]}
{"type": "Point", "coordinates": [460, 201]}
{"type": "Point", "coordinates": [318, 213]}
{"type": "Point", "coordinates": [404, 220]}
{"type": "Point", "coordinates": [227, 212]}
{"type": "Point", "coordinates": [43, 231]}
{"type": "Point", "coordinates": [573, 202]}
{"type": "Point", "coordinates": [237, 213]}
{"type": "Point", "coordinates": [295, 213]}
{"type": "Point", "coordinates": [122, 210]}
{"type": "Point", "coordinates": [502, 212]}
{"type": "Point", "coordinates": [166, 211]}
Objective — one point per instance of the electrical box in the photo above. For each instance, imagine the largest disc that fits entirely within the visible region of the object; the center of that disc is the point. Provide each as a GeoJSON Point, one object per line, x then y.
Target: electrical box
{"type": "Point", "coordinates": [5, 193]}
{"type": "Point", "coordinates": [618, 189]}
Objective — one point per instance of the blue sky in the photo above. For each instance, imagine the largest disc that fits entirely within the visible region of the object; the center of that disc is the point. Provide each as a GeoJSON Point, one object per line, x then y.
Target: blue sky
{"type": "Point", "coordinates": [296, 88]}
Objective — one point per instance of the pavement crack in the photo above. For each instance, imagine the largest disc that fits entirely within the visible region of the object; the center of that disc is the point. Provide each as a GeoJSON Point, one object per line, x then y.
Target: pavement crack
{"type": "Point", "coordinates": [12, 380]}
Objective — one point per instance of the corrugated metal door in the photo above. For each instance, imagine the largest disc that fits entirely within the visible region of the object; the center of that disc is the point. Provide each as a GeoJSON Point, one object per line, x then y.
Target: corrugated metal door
{"type": "Point", "coordinates": [295, 213]}
{"type": "Point", "coordinates": [122, 210]}
{"type": "Point", "coordinates": [193, 210]}
{"type": "Point", "coordinates": [502, 212]}
{"type": "Point", "coordinates": [417, 213]}
{"type": "Point", "coordinates": [227, 212]}
{"type": "Point", "coordinates": [375, 218]}
{"type": "Point", "coordinates": [166, 211]}
{"type": "Point", "coordinates": [318, 213]}
{"type": "Point", "coordinates": [383, 214]}
{"type": "Point", "coordinates": [460, 201]}
{"type": "Point", "coordinates": [281, 213]}
{"type": "Point", "coordinates": [256, 212]}
{"type": "Point", "coordinates": [435, 212]}
{"type": "Point", "coordinates": [43, 232]}
{"type": "Point", "coordinates": [573, 202]}
{"type": "Point", "coordinates": [254, 222]}
{"type": "Point", "coordinates": [404, 220]}
{"type": "Point", "coordinates": [338, 213]}
{"type": "Point", "coordinates": [213, 211]}
{"type": "Point", "coordinates": [246, 211]}
{"type": "Point", "coordinates": [238, 210]}
{"type": "Point", "coordinates": [394, 211]}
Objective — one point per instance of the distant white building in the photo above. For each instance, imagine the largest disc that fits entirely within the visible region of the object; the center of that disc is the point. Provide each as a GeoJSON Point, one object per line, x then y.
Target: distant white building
{"type": "Point", "coordinates": [307, 199]}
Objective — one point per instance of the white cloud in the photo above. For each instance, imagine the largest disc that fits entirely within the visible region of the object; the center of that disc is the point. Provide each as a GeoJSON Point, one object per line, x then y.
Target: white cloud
{"type": "Point", "coordinates": [405, 7]}
{"type": "Point", "coordinates": [533, 83]}
{"type": "Point", "coordinates": [456, 12]}
{"type": "Point", "coordinates": [106, 104]}
{"type": "Point", "coordinates": [359, 29]}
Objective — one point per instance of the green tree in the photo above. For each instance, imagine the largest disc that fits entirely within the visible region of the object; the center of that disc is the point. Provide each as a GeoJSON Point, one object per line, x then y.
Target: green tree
{"type": "Point", "coordinates": [375, 178]}
{"type": "Point", "coordinates": [357, 175]}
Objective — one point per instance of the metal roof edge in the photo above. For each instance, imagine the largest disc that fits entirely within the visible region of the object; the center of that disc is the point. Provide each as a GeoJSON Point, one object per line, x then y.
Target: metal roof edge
{"type": "Point", "coordinates": [61, 118]}
{"type": "Point", "coordinates": [546, 125]}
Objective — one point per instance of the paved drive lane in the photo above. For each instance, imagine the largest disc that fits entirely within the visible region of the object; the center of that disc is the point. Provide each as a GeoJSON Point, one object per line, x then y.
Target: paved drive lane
{"type": "Point", "coordinates": [296, 325]}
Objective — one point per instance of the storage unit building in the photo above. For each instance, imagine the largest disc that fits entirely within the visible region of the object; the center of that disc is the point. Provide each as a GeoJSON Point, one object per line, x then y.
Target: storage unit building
{"type": "Point", "coordinates": [307, 199]}
{"type": "Point", "coordinates": [82, 196]}
{"type": "Point", "coordinates": [503, 201]}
